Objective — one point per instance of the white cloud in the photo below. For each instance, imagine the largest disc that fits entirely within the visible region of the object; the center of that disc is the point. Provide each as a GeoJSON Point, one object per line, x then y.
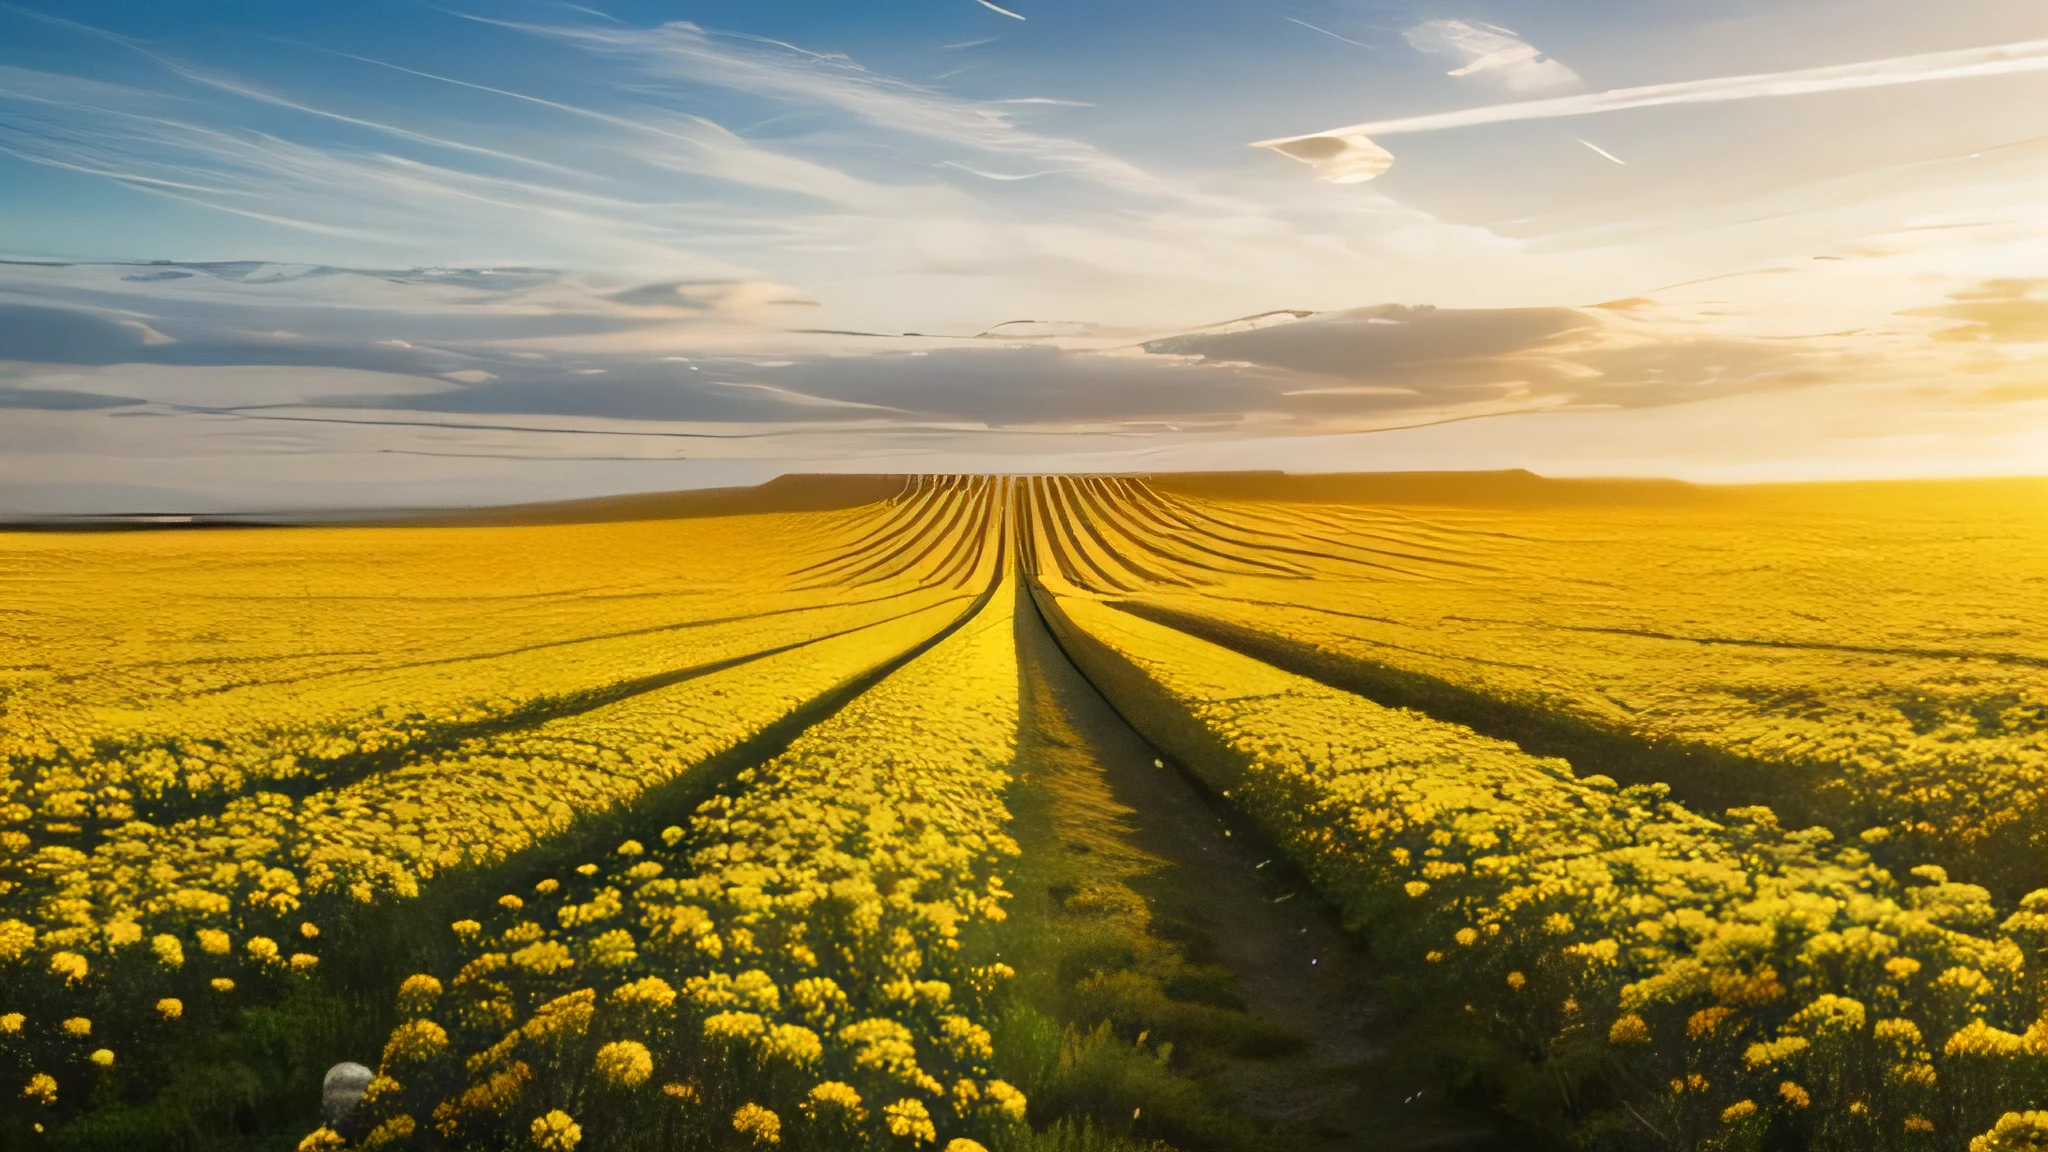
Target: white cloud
{"type": "Point", "coordinates": [151, 338]}
{"type": "Point", "coordinates": [1491, 55]}
{"type": "Point", "coordinates": [1331, 150]}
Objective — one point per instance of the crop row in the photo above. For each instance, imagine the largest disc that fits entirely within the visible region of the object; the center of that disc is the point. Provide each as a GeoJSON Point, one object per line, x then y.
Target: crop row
{"type": "Point", "coordinates": [227, 908]}
{"type": "Point", "coordinates": [1643, 975]}
{"type": "Point", "coordinates": [232, 688]}
{"type": "Point", "coordinates": [1874, 667]}
{"type": "Point", "coordinates": [782, 968]}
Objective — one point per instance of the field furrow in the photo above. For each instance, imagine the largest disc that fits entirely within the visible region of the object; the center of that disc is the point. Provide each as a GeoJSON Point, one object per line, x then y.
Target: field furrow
{"type": "Point", "coordinates": [787, 958]}
{"type": "Point", "coordinates": [1198, 813]}
{"type": "Point", "coordinates": [1597, 934]}
{"type": "Point", "coordinates": [1647, 675]}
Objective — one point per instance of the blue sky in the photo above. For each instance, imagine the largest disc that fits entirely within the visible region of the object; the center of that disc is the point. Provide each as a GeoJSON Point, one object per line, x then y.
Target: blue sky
{"type": "Point", "coordinates": [460, 252]}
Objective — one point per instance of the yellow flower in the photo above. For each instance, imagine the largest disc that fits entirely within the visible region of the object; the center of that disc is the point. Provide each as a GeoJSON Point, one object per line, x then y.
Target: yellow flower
{"type": "Point", "coordinates": [650, 992]}
{"type": "Point", "coordinates": [556, 1132]}
{"type": "Point", "coordinates": [309, 930]}
{"type": "Point", "coordinates": [69, 965]}
{"type": "Point", "coordinates": [122, 933]}
{"type": "Point", "coordinates": [2014, 1132]}
{"type": "Point", "coordinates": [263, 949]}
{"type": "Point", "coordinates": [1919, 1124]}
{"type": "Point", "coordinates": [734, 1027]}
{"type": "Point", "coordinates": [168, 952]}
{"type": "Point", "coordinates": [833, 1098]}
{"type": "Point", "coordinates": [1517, 981]}
{"type": "Point", "coordinates": [170, 1007]}
{"type": "Point", "coordinates": [1629, 1029]}
{"type": "Point", "coordinates": [466, 928]}
{"type": "Point", "coordinates": [1008, 1102]}
{"type": "Point", "coordinates": [1794, 1094]}
{"type": "Point", "coordinates": [1766, 1054]}
{"type": "Point", "coordinates": [908, 1118]}
{"type": "Point", "coordinates": [379, 1088]}
{"type": "Point", "coordinates": [546, 886]}
{"type": "Point", "coordinates": [1707, 1021]}
{"type": "Point", "coordinates": [12, 1022]}
{"type": "Point", "coordinates": [544, 958]}
{"type": "Point", "coordinates": [42, 1088]}
{"type": "Point", "coordinates": [793, 1044]}
{"type": "Point", "coordinates": [304, 961]}
{"type": "Point", "coordinates": [614, 949]}
{"type": "Point", "coordinates": [104, 1057]}
{"type": "Point", "coordinates": [1980, 1039]}
{"type": "Point", "coordinates": [963, 1144]}
{"type": "Point", "coordinates": [16, 938]}
{"type": "Point", "coordinates": [625, 1063]}
{"type": "Point", "coordinates": [222, 984]}
{"type": "Point", "coordinates": [510, 901]}
{"type": "Point", "coordinates": [631, 848]}
{"type": "Point", "coordinates": [413, 1041]}
{"type": "Point", "coordinates": [757, 1124]}
{"type": "Point", "coordinates": [1740, 1110]}
{"type": "Point", "coordinates": [564, 1016]}
{"type": "Point", "coordinates": [418, 994]}
{"type": "Point", "coordinates": [78, 1026]}
{"type": "Point", "coordinates": [322, 1139]}
{"type": "Point", "coordinates": [214, 941]}
{"type": "Point", "coordinates": [393, 1131]}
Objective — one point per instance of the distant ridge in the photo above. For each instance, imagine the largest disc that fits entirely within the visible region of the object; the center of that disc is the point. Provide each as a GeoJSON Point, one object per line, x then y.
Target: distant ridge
{"type": "Point", "coordinates": [828, 491]}
{"type": "Point", "coordinates": [820, 492]}
{"type": "Point", "coordinates": [1508, 488]}
{"type": "Point", "coordinates": [795, 492]}
{"type": "Point", "coordinates": [1518, 488]}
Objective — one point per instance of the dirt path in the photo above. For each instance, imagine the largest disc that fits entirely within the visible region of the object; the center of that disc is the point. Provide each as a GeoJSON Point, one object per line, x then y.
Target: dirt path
{"type": "Point", "coordinates": [1218, 892]}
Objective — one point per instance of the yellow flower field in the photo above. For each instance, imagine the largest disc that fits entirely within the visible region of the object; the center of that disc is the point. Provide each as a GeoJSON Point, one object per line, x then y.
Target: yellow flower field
{"type": "Point", "coordinates": [1863, 656]}
{"type": "Point", "coordinates": [1674, 818]}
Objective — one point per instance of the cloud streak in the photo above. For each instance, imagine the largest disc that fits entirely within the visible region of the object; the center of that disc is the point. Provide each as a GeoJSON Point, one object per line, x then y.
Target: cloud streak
{"type": "Point", "coordinates": [1327, 149]}
{"type": "Point", "coordinates": [1602, 151]}
{"type": "Point", "coordinates": [998, 9]}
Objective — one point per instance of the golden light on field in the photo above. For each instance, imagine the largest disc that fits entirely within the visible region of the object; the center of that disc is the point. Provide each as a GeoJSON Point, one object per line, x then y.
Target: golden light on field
{"type": "Point", "coordinates": [1724, 805]}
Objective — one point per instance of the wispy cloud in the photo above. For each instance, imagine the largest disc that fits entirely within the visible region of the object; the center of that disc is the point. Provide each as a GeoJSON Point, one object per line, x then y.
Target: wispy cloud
{"type": "Point", "coordinates": [1327, 32]}
{"type": "Point", "coordinates": [1602, 151]}
{"type": "Point", "coordinates": [972, 170]}
{"type": "Point", "coordinates": [616, 156]}
{"type": "Point", "coordinates": [988, 4]}
{"type": "Point", "coordinates": [1492, 55]}
{"type": "Point", "coordinates": [1327, 149]}
{"type": "Point", "coordinates": [687, 54]}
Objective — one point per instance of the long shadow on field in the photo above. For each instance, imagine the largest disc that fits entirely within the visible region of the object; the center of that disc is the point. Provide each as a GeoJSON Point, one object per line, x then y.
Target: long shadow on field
{"type": "Point", "coordinates": [1148, 904]}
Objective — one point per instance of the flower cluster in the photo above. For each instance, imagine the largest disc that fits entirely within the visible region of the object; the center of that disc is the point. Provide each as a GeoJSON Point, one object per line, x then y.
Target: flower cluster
{"type": "Point", "coordinates": [1869, 659]}
{"type": "Point", "coordinates": [1721, 979]}
{"type": "Point", "coordinates": [317, 721]}
{"type": "Point", "coordinates": [787, 961]}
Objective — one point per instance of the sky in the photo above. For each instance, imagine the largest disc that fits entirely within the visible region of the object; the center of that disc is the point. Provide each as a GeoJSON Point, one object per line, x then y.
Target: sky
{"type": "Point", "coordinates": [271, 255]}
